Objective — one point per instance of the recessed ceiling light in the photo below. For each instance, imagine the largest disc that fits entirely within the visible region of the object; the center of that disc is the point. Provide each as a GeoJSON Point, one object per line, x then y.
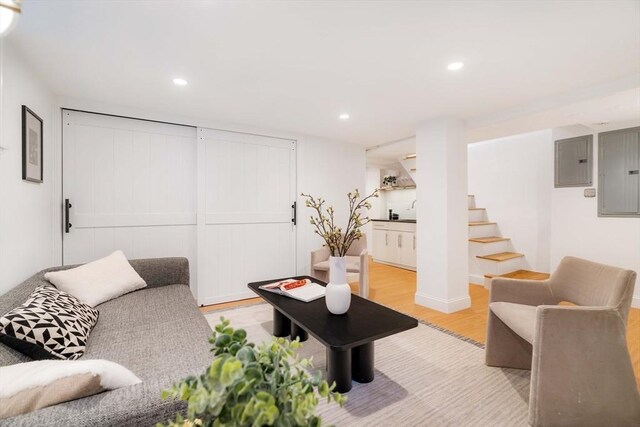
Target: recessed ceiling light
{"type": "Point", "coordinates": [455, 66]}
{"type": "Point", "coordinates": [179, 82]}
{"type": "Point", "coordinates": [343, 116]}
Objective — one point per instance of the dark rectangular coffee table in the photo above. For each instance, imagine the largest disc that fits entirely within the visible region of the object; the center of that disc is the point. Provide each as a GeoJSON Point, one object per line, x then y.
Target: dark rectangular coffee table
{"type": "Point", "coordinates": [349, 338]}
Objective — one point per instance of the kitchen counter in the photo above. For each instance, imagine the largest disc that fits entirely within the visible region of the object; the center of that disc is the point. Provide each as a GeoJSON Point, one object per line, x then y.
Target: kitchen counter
{"type": "Point", "coordinates": [412, 221]}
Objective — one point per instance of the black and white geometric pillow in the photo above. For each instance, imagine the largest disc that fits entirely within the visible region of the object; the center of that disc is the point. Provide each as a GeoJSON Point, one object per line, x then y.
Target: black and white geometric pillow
{"type": "Point", "coordinates": [51, 324]}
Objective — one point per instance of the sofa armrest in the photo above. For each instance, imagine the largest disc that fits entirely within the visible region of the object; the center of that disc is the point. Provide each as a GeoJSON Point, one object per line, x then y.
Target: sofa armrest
{"type": "Point", "coordinates": [162, 271]}
{"type": "Point", "coordinates": [528, 292]}
{"type": "Point", "coordinates": [319, 255]}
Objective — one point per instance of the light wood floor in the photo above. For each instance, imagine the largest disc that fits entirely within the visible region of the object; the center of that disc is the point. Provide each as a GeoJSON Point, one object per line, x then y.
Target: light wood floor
{"type": "Point", "coordinates": [395, 287]}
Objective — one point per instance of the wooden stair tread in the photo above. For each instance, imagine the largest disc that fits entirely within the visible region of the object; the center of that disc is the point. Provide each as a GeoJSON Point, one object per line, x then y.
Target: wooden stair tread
{"type": "Point", "coordinates": [502, 256]}
{"type": "Point", "coordinates": [491, 239]}
{"type": "Point", "coordinates": [477, 209]}
{"type": "Point", "coordinates": [471, 224]}
{"type": "Point", "coordinates": [522, 275]}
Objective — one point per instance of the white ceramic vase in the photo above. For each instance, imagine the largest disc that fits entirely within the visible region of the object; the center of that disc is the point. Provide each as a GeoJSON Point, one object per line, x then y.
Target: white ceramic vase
{"type": "Point", "coordinates": [338, 292]}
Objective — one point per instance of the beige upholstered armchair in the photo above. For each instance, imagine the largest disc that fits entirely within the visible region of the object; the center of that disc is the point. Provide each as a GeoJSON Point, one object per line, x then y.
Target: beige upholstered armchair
{"type": "Point", "coordinates": [581, 372]}
{"type": "Point", "coordinates": [357, 260]}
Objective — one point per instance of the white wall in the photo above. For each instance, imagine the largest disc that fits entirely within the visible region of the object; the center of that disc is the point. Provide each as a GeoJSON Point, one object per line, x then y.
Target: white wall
{"type": "Point", "coordinates": [329, 170]}
{"type": "Point", "coordinates": [29, 221]}
{"type": "Point", "coordinates": [513, 178]}
{"type": "Point", "coordinates": [325, 168]}
{"type": "Point", "coordinates": [577, 230]}
{"type": "Point", "coordinates": [400, 202]}
{"type": "Point", "coordinates": [378, 204]}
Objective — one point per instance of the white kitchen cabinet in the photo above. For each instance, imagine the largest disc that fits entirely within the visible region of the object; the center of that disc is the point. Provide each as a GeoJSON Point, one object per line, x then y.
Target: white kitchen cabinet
{"type": "Point", "coordinates": [394, 243]}
{"type": "Point", "coordinates": [406, 248]}
{"type": "Point", "coordinates": [380, 240]}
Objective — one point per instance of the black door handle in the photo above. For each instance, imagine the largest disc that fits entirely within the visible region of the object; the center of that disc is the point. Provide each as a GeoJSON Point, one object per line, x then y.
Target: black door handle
{"type": "Point", "coordinates": [294, 220]}
{"type": "Point", "coordinates": [635, 172]}
{"type": "Point", "coordinates": [67, 224]}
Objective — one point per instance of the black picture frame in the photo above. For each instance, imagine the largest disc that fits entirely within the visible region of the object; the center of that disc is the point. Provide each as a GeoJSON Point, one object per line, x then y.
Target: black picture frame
{"type": "Point", "coordinates": [32, 146]}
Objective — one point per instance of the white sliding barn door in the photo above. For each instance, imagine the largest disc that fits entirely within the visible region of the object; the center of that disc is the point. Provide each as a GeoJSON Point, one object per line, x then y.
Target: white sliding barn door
{"type": "Point", "coordinates": [132, 185]}
{"type": "Point", "coordinates": [246, 188]}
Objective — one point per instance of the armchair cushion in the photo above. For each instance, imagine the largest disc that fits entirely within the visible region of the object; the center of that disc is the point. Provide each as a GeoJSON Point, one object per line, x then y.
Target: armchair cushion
{"type": "Point", "coordinates": [353, 264]}
{"type": "Point", "coordinates": [519, 317]}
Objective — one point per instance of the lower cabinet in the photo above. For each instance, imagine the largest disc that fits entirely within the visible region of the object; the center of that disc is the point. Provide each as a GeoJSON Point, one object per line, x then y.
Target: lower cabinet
{"type": "Point", "coordinates": [395, 244]}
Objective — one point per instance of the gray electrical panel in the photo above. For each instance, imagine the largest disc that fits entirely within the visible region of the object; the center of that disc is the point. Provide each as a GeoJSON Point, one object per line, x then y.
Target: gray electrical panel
{"type": "Point", "coordinates": [574, 162]}
{"type": "Point", "coordinates": [618, 173]}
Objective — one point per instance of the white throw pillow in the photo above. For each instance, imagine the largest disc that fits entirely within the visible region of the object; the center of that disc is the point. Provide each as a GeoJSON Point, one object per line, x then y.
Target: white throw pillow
{"type": "Point", "coordinates": [26, 387]}
{"type": "Point", "coordinates": [98, 281]}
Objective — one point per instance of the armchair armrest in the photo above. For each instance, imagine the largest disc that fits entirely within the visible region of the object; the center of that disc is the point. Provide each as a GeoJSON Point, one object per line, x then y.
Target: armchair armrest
{"type": "Point", "coordinates": [582, 348]}
{"type": "Point", "coordinates": [528, 292]}
{"type": "Point", "coordinates": [319, 255]}
{"type": "Point", "coordinates": [364, 273]}
{"type": "Point", "coordinates": [162, 271]}
{"type": "Point", "coordinates": [572, 321]}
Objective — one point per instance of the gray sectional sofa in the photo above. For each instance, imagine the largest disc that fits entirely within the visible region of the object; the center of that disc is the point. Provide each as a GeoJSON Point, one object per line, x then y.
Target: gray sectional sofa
{"type": "Point", "coordinates": [157, 332]}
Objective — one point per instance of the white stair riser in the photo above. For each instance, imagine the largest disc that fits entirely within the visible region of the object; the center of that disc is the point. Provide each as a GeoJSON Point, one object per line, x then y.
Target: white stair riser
{"type": "Point", "coordinates": [501, 267]}
{"type": "Point", "coordinates": [483, 230]}
{"type": "Point", "coordinates": [490, 248]}
{"type": "Point", "coordinates": [477, 215]}
{"type": "Point", "coordinates": [471, 201]}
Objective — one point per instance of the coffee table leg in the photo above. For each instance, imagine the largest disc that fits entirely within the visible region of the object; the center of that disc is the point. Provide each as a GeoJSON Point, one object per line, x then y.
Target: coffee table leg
{"type": "Point", "coordinates": [298, 332]}
{"type": "Point", "coordinates": [362, 363]}
{"type": "Point", "coordinates": [281, 324]}
{"type": "Point", "coordinates": [339, 369]}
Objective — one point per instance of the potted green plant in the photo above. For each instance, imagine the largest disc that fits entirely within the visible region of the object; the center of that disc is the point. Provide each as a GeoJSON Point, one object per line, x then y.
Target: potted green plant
{"type": "Point", "coordinates": [389, 180]}
{"type": "Point", "coordinates": [249, 385]}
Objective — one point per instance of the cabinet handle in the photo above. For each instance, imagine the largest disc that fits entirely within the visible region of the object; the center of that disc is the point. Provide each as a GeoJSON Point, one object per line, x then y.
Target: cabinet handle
{"type": "Point", "coordinates": [414, 242]}
{"type": "Point", "coordinates": [399, 240]}
{"type": "Point", "coordinates": [386, 239]}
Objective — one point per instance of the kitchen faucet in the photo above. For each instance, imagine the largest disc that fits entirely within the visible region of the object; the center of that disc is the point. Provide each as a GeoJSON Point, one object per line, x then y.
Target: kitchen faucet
{"type": "Point", "coordinates": [413, 205]}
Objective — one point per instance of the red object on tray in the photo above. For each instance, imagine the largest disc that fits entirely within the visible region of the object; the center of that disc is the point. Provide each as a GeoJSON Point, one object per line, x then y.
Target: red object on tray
{"type": "Point", "coordinates": [294, 285]}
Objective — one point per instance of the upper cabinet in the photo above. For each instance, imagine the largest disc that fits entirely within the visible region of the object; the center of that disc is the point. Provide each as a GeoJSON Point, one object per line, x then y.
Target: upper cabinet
{"type": "Point", "coordinates": [573, 162]}
{"type": "Point", "coordinates": [618, 173]}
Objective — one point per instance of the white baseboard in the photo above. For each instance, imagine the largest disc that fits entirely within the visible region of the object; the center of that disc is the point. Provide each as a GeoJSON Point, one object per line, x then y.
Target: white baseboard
{"type": "Point", "coordinates": [445, 306]}
{"type": "Point", "coordinates": [635, 302]}
{"type": "Point", "coordinates": [476, 279]}
{"type": "Point", "coordinates": [226, 298]}
{"type": "Point", "coordinates": [404, 267]}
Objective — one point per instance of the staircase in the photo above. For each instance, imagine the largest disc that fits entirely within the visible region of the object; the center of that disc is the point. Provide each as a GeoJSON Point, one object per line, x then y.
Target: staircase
{"type": "Point", "coordinates": [491, 254]}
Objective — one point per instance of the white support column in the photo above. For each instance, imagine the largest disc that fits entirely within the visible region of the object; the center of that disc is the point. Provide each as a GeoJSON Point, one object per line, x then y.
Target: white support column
{"type": "Point", "coordinates": [442, 226]}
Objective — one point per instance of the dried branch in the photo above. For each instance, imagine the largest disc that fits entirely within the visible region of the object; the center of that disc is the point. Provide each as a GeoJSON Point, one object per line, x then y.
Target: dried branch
{"type": "Point", "coordinates": [337, 241]}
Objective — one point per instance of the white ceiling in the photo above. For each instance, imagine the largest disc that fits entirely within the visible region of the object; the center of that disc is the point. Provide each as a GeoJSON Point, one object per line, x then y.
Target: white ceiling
{"type": "Point", "coordinates": [296, 66]}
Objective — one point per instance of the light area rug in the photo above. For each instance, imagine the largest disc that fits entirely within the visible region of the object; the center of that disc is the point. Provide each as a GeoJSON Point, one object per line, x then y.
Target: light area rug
{"type": "Point", "coordinates": [423, 377]}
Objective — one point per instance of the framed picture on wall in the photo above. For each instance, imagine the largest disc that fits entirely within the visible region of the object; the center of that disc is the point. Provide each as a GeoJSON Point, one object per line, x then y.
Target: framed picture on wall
{"type": "Point", "coordinates": [32, 157]}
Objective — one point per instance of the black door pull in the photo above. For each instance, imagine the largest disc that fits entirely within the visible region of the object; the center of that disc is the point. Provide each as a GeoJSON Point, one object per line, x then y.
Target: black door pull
{"type": "Point", "coordinates": [634, 172]}
{"type": "Point", "coordinates": [67, 224]}
{"type": "Point", "coordinates": [294, 220]}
